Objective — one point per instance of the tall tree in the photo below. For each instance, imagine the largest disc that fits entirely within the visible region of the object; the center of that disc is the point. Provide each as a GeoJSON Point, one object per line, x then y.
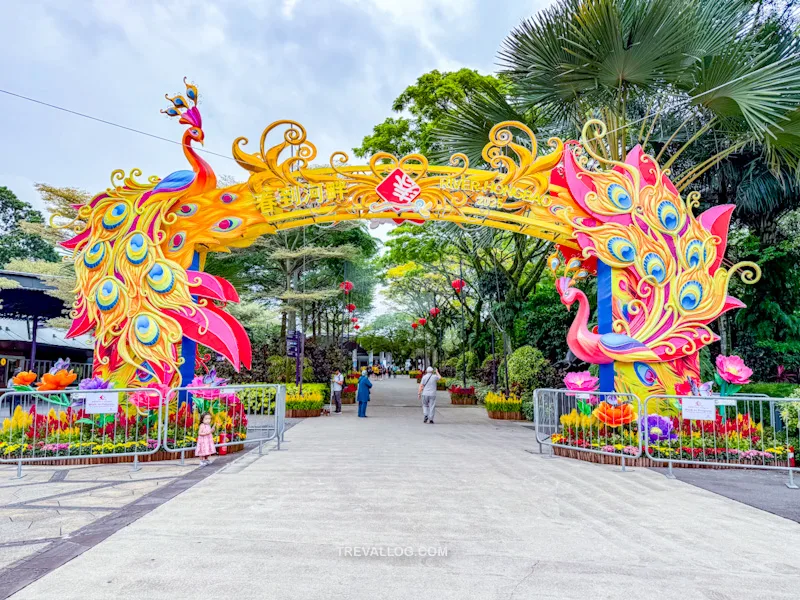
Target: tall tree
{"type": "Point", "coordinates": [15, 243]}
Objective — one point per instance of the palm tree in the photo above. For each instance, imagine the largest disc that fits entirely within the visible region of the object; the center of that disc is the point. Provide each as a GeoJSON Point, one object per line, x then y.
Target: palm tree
{"type": "Point", "coordinates": [719, 75]}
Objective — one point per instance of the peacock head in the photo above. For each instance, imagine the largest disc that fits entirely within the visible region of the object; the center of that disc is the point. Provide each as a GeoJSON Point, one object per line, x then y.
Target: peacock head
{"type": "Point", "coordinates": [565, 290]}
{"type": "Point", "coordinates": [185, 108]}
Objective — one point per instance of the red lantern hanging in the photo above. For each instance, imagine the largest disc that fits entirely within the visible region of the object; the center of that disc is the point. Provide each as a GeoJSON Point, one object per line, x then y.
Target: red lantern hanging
{"type": "Point", "coordinates": [458, 285]}
{"type": "Point", "coordinates": [414, 325]}
{"type": "Point", "coordinates": [354, 319]}
{"type": "Point", "coordinates": [351, 307]}
{"type": "Point", "coordinates": [356, 327]}
{"type": "Point", "coordinates": [423, 320]}
{"type": "Point", "coordinates": [435, 312]}
{"type": "Point", "coordinates": [346, 286]}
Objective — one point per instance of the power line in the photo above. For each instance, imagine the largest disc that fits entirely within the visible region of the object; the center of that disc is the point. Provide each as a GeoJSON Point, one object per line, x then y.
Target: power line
{"type": "Point", "coordinates": [112, 123]}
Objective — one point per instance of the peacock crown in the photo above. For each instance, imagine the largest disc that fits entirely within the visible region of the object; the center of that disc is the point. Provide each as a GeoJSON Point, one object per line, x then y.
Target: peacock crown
{"type": "Point", "coordinates": [189, 115]}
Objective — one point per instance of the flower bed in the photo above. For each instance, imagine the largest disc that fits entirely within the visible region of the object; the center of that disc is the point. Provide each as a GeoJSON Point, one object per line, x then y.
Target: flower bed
{"type": "Point", "coordinates": [307, 404]}
{"type": "Point", "coordinates": [615, 430]}
{"type": "Point", "coordinates": [462, 395]}
{"type": "Point", "coordinates": [414, 374]}
{"type": "Point", "coordinates": [500, 406]}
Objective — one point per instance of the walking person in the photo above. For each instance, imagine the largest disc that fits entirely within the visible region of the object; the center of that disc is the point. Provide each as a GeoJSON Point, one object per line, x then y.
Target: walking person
{"type": "Point", "coordinates": [338, 382]}
{"type": "Point", "coordinates": [364, 384]}
{"type": "Point", "coordinates": [427, 393]}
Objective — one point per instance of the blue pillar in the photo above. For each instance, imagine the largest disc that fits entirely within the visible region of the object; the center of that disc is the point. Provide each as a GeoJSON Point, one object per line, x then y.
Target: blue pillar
{"type": "Point", "coordinates": [605, 319]}
{"type": "Point", "coordinates": [189, 347]}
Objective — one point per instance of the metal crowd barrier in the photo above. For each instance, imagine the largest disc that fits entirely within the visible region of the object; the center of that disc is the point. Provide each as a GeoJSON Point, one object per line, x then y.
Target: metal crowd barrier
{"type": "Point", "coordinates": [240, 414]}
{"type": "Point", "coordinates": [79, 424]}
{"type": "Point", "coordinates": [721, 431]}
{"type": "Point", "coordinates": [83, 424]}
{"type": "Point", "coordinates": [562, 418]}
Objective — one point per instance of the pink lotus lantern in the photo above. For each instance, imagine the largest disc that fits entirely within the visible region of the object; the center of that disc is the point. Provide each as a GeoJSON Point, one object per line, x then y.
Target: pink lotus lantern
{"type": "Point", "coordinates": [458, 285]}
{"type": "Point", "coordinates": [435, 312]}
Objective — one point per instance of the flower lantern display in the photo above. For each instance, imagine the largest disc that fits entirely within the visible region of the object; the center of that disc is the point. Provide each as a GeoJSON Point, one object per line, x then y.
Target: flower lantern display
{"type": "Point", "coordinates": [731, 374]}
{"type": "Point", "coordinates": [59, 378]}
{"type": "Point", "coordinates": [583, 381]}
{"type": "Point", "coordinates": [435, 312]}
{"type": "Point", "coordinates": [458, 285]}
{"type": "Point", "coordinates": [414, 325]}
{"type": "Point", "coordinates": [422, 321]}
{"type": "Point", "coordinates": [346, 286]}
{"type": "Point", "coordinates": [351, 307]}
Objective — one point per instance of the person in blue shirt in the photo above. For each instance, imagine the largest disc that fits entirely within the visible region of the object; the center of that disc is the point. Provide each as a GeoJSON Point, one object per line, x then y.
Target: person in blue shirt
{"type": "Point", "coordinates": [364, 384]}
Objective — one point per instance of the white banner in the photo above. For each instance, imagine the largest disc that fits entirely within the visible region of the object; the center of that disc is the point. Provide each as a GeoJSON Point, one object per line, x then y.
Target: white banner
{"type": "Point", "coordinates": [699, 409]}
{"type": "Point", "coordinates": [104, 402]}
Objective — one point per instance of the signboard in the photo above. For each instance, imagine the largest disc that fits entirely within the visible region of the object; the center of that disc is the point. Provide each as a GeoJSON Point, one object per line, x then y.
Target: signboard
{"type": "Point", "coordinates": [698, 409]}
{"type": "Point", "coordinates": [294, 344]}
{"type": "Point", "coordinates": [102, 402]}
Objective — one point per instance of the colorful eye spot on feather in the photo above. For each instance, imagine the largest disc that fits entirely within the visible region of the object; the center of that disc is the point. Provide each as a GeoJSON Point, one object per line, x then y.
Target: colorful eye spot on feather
{"type": "Point", "coordinates": [187, 210]}
{"type": "Point", "coordinates": [136, 250]}
{"type": "Point", "coordinates": [178, 101]}
{"type": "Point", "coordinates": [146, 330]}
{"type": "Point", "coordinates": [621, 249]}
{"type": "Point", "coordinates": [227, 224]}
{"type": "Point", "coordinates": [171, 112]}
{"type": "Point", "coordinates": [619, 197]}
{"type": "Point", "coordinates": [645, 373]}
{"type": "Point", "coordinates": [192, 93]}
{"type": "Point", "coordinates": [668, 215]}
{"type": "Point", "coordinates": [115, 216]}
{"type": "Point", "coordinates": [144, 374]}
{"type": "Point", "coordinates": [177, 241]}
{"type": "Point", "coordinates": [107, 294]}
{"type": "Point", "coordinates": [227, 198]}
{"type": "Point", "coordinates": [691, 295]}
{"type": "Point", "coordinates": [160, 278]}
{"type": "Point", "coordinates": [654, 266]}
{"type": "Point", "coordinates": [94, 255]}
{"type": "Point", "coordinates": [695, 253]}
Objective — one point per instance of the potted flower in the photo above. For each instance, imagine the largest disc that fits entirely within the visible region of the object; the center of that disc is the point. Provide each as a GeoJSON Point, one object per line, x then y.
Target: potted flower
{"type": "Point", "coordinates": [462, 395]}
{"type": "Point", "coordinates": [349, 393]}
{"type": "Point", "coordinates": [500, 406]}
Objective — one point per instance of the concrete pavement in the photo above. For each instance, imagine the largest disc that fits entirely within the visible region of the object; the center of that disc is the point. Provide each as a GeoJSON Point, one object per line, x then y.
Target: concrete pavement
{"type": "Point", "coordinates": [387, 507]}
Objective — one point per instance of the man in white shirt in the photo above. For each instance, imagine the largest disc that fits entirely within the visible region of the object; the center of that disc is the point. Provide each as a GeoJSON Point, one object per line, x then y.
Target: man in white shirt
{"type": "Point", "coordinates": [427, 392]}
{"type": "Point", "coordinates": [338, 382]}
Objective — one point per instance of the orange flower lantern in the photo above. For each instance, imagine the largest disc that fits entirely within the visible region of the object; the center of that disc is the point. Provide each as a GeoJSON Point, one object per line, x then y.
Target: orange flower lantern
{"type": "Point", "coordinates": [24, 378]}
{"type": "Point", "coordinates": [614, 416]}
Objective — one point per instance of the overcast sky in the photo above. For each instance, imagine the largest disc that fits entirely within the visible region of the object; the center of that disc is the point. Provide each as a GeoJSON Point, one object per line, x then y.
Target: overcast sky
{"type": "Point", "coordinates": [333, 65]}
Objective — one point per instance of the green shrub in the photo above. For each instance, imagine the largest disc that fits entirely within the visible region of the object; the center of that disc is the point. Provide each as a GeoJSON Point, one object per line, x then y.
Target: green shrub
{"type": "Point", "coordinates": [528, 369]}
{"type": "Point", "coordinates": [472, 364]}
{"type": "Point", "coordinates": [773, 390]}
{"type": "Point", "coordinates": [282, 369]}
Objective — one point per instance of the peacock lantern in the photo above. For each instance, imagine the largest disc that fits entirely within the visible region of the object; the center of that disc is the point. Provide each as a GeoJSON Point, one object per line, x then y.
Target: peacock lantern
{"type": "Point", "coordinates": [665, 268]}
{"type": "Point", "coordinates": [138, 264]}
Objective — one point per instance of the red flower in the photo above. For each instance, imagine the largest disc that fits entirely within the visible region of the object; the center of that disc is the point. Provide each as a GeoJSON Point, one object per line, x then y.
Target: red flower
{"type": "Point", "coordinates": [356, 326]}
{"type": "Point", "coordinates": [351, 307]}
{"type": "Point", "coordinates": [423, 320]}
{"type": "Point", "coordinates": [435, 312]}
{"type": "Point", "coordinates": [458, 285]}
{"type": "Point", "coordinates": [346, 286]}
{"type": "Point", "coordinates": [414, 325]}
{"type": "Point", "coordinates": [354, 320]}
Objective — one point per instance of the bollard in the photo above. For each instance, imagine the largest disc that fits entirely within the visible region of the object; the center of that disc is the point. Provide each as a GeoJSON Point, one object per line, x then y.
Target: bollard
{"type": "Point", "coordinates": [260, 448]}
{"type": "Point", "coordinates": [19, 469]}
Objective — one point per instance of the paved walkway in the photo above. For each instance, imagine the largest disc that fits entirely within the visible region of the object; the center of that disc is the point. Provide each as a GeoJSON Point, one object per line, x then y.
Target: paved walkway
{"type": "Point", "coordinates": [295, 524]}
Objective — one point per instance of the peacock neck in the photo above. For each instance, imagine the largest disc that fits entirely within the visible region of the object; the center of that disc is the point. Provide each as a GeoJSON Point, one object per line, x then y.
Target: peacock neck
{"type": "Point", "coordinates": [581, 323]}
{"type": "Point", "coordinates": [205, 178]}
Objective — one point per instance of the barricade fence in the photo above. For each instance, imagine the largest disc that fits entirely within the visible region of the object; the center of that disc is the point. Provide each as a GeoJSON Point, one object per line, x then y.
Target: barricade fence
{"type": "Point", "coordinates": [89, 424]}
{"type": "Point", "coordinates": [745, 431]}
{"type": "Point", "coordinates": [720, 431]}
{"type": "Point", "coordinates": [595, 422]}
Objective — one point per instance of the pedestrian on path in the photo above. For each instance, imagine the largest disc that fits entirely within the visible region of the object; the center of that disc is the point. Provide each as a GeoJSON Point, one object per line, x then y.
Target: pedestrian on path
{"type": "Point", "coordinates": [364, 384]}
{"type": "Point", "coordinates": [205, 440]}
{"type": "Point", "coordinates": [338, 382]}
{"type": "Point", "coordinates": [427, 393]}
